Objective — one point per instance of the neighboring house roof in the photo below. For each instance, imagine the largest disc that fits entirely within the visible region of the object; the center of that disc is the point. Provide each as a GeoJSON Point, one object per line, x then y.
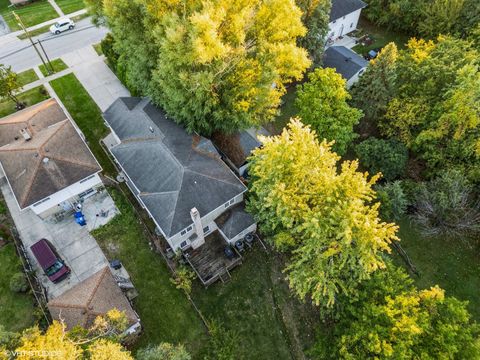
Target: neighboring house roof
{"type": "Point", "coordinates": [54, 158]}
{"type": "Point", "coordinates": [345, 61]}
{"type": "Point", "coordinates": [172, 170]}
{"type": "Point", "coordinates": [341, 8]}
{"type": "Point", "coordinates": [237, 221]}
{"type": "Point", "coordinates": [93, 297]}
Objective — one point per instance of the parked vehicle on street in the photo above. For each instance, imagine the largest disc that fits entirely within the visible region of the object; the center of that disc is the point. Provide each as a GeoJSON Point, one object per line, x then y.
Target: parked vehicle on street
{"type": "Point", "coordinates": [61, 26]}
{"type": "Point", "coordinates": [51, 263]}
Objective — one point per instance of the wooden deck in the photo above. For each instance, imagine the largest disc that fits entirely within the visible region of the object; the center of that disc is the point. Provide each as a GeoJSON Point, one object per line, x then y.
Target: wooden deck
{"type": "Point", "coordinates": [209, 260]}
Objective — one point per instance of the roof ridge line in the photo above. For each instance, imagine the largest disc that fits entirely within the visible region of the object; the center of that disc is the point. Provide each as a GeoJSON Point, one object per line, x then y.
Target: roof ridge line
{"type": "Point", "coordinates": [176, 199]}
{"type": "Point", "coordinates": [59, 158]}
{"type": "Point", "coordinates": [30, 185]}
{"type": "Point", "coordinates": [210, 177]}
{"type": "Point", "coordinates": [105, 269]}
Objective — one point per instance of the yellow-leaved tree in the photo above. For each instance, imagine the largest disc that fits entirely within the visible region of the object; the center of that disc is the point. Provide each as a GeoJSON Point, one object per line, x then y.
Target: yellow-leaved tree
{"type": "Point", "coordinates": [218, 65]}
{"type": "Point", "coordinates": [324, 215]}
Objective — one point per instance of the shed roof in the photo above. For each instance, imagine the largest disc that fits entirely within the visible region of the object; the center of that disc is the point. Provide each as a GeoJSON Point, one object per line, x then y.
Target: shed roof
{"type": "Point", "coordinates": [341, 8]}
{"type": "Point", "coordinates": [93, 297]}
{"type": "Point", "coordinates": [345, 61]}
{"type": "Point", "coordinates": [54, 158]}
{"type": "Point", "coordinates": [172, 170]}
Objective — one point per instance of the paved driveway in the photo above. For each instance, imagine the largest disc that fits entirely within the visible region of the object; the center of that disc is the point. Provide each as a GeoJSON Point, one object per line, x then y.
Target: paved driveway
{"type": "Point", "coordinates": [96, 77]}
{"type": "Point", "coordinates": [73, 242]}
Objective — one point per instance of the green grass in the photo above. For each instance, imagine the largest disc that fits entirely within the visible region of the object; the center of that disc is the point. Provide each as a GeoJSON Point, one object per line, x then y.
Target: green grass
{"type": "Point", "coordinates": [31, 14]}
{"type": "Point", "coordinates": [98, 49]}
{"type": "Point", "coordinates": [452, 264]}
{"type": "Point", "coordinates": [36, 32]}
{"type": "Point", "coordinates": [30, 97]}
{"type": "Point", "coordinates": [87, 116]}
{"type": "Point", "coordinates": [58, 65]}
{"type": "Point", "coordinates": [381, 37]}
{"type": "Point", "coordinates": [287, 111]}
{"type": "Point", "coordinates": [257, 305]}
{"type": "Point", "coordinates": [16, 310]}
{"type": "Point", "coordinates": [27, 77]}
{"type": "Point", "coordinates": [70, 6]}
{"type": "Point", "coordinates": [165, 312]}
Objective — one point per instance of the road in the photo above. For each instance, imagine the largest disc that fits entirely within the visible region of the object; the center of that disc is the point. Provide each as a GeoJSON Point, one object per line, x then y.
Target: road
{"type": "Point", "coordinates": [21, 55]}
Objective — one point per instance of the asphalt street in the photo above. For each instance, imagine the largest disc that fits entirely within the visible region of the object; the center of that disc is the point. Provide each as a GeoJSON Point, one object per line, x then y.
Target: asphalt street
{"type": "Point", "coordinates": [21, 55]}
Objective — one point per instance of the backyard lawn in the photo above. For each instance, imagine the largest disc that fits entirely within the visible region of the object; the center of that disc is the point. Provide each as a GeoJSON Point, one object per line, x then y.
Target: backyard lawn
{"type": "Point", "coordinates": [57, 64]}
{"type": "Point", "coordinates": [29, 97]}
{"type": "Point", "coordinates": [287, 111]}
{"type": "Point", "coordinates": [381, 37]}
{"type": "Point", "coordinates": [87, 116]}
{"type": "Point", "coordinates": [31, 14]}
{"type": "Point", "coordinates": [452, 264]}
{"type": "Point", "coordinates": [70, 6]}
{"type": "Point", "coordinates": [16, 310]}
{"type": "Point", "coordinates": [26, 77]}
{"type": "Point", "coordinates": [256, 305]}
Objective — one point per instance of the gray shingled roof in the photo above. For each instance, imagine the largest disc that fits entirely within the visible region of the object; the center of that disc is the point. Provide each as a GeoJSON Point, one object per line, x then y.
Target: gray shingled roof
{"type": "Point", "coordinates": [172, 170]}
{"type": "Point", "coordinates": [237, 221]}
{"type": "Point", "coordinates": [341, 8]}
{"type": "Point", "coordinates": [54, 158]}
{"type": "Point", "coordinates": [345, 61]}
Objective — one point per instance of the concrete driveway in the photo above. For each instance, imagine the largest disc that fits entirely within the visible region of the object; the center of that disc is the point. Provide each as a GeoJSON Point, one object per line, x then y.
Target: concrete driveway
{"type": "Point", "coordinates": [74, 243]}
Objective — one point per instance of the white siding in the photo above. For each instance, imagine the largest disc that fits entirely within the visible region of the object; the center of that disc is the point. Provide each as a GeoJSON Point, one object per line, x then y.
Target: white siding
{"type": "Point", "coordinates": [208, 219]}
{"type": "Point", "coordinates": [354, 78]}
{"type": "Point", "coordinates": [66, 194]}
{"type": "Point", "coordinates": [343, 25]}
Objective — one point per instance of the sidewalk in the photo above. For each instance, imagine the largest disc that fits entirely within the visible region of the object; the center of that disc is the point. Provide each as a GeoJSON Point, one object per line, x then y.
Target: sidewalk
{"type": "Point", "coordinates": [95, 76]}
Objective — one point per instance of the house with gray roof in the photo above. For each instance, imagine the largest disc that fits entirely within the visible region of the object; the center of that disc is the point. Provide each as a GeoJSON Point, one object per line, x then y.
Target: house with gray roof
{"type": "Point", "coordinates": [344, 16]}
{"type": "Point", "coordinates": [346, 62]}
{"type": "Point", "coordinates": [45, 159]}
{"type": "Point", "coordinates": [179, 178]}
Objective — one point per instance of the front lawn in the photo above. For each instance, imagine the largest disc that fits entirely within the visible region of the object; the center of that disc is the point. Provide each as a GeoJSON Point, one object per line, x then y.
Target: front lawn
{"type": "Point", "coordinates": [87, 116]}
{"type": "Point", "coordinates": [57, 64]}
{"type": "Point", "coordinates": [165, 312]}
{"type": "Point", "coordinates": [27, 77]}
{"type": "Point", "coordinates": [452, 264]}
{"type": "Point", "coordinates": [257, 307]}
{"type": "Point", "coordinates": [30, 97]}
{"type": "Point", "coordinates": [31, 14]}
{"type": "Point", "coordinates": [70, 6]}
{"type": "Point", "coordinates": [381, 37]}
{"type": "Point", "coordinates": [16, 310]}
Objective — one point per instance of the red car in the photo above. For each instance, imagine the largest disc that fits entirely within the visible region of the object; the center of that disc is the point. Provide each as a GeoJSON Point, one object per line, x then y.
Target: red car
{"type": "Point", "coordinates": [51, 263]}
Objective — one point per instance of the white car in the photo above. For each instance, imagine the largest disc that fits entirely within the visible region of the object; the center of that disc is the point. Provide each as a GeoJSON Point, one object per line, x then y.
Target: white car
{"type": "Point", "coordinates": [61, 26]}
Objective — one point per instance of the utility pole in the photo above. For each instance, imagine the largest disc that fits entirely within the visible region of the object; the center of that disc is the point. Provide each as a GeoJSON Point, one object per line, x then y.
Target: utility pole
{"type": "Point", "coordinates": [48, 59]}
{"type": "Point", "coordinates": [20, 22]}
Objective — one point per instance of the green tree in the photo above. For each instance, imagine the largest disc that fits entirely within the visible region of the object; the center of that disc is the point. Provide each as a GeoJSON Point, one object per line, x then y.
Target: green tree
{"type": "Point", "coordinates": [440, 17]}
{"type": "Point", "coordinates": [390, 319]}
{"type": "Point", "coordinates": [436, 111]}
{"type": "Point", "coordinates": [377, 85]}
{"type": "Point", "coordinates": [220, 65]}
{"type": "Point", "coordinates": [316, 16]}
{"type": "Point", "coordinates": [388, 157]}
{"type": "Point", "coordinates": [336, 236]}
{"type": "Point", "coordinates": [163, 351]}
{"type": "Point", "coordinates": [322, 103]}
{"type": "Point", "coordinates": [9, 85]}
{"type": "Point", "coordinates": [393, 200]}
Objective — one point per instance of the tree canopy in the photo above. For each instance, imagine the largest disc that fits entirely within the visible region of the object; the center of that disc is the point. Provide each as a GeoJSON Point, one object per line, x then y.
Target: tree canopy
{"type": "Point", "coordinates": [325, 215]}
{"type": "Point", "coordinates": [322, 104]}
{"type": "Point", "coordinates": [220, 65]}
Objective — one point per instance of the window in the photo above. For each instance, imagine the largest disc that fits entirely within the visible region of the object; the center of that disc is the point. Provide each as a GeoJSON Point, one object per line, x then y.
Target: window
{"type": "Point", "coordinates": [334, 21]}
{"type": "Point", "coordinates": [351, 25]}
{"type": "Point", "coordinates": [183, 232]}
{"type": "Point", "coordinates": [206, 229]}
{"type": "Point", "coordinates": [189, 228]}
{"type": "Point", "coordinates": [232, 201]}
{"type": "Point", "coordinates": [184, 244]}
